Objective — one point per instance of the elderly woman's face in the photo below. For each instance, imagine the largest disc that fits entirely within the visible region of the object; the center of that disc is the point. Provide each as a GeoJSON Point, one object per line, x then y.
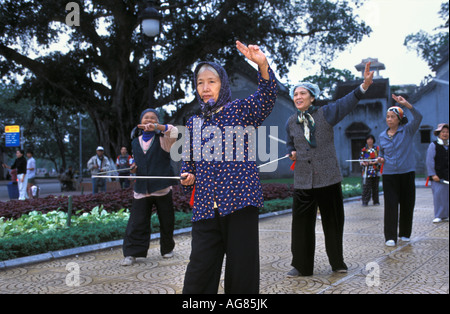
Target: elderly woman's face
{"type": "Point", "coordinates": [302, 98]}
{"type": "Point", "coordinates": [392, 120]}
{"type": "Point", "coordinates": [208, 86]}
{"type": "Point", "coordinates": [443, 135]}
{"type": "Point", "coordinates": [149, 117]}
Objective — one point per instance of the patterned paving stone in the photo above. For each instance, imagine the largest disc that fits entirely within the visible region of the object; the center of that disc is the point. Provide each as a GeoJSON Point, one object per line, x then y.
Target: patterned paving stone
{"type": "Point", "coordinates": [417, 267]}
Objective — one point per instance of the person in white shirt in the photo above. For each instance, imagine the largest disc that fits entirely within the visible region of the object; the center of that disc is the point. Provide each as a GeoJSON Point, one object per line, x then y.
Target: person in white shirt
{"type": "Point", "coordinates": [31, 172]}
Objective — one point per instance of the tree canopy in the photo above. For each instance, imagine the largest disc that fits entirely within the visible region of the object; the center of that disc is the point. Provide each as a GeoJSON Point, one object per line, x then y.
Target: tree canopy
{"type": "Point", "coordinates": [103, 69]}
{"type": "Point", "coordinates": [431, 47]}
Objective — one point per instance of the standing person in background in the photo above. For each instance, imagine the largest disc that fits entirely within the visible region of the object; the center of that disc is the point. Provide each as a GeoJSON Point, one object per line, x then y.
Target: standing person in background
{"type": "Point", "coordinates": [31, 172]}
{"type": "Point", "coordinates": [151, 143]}
{"type": "Point", "coordinates": [396, 153]}
{"type": "Point", "coordinates": [437, 167]}
{"type": "Point", "coordinates": [21, 165]}
{"type": "Point", "coordinates": [371, 171]}
{"type": "Point", "coordinates": [123, 162]}
{"type": "Point", "coordinates": [317, 179]}
{"type": "Point", "coordinates": [96, 164]}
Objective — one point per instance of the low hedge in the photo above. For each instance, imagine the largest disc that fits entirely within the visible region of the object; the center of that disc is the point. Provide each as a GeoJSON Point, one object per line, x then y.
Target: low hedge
{"type": "Point", "coordinates": [32, 244]}
{"type": "Point", "coordinates": [114, 201]}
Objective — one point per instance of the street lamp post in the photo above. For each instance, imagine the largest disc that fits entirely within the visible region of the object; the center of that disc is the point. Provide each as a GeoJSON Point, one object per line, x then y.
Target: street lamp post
{"type": "Point", "coordinates": [151, 26]}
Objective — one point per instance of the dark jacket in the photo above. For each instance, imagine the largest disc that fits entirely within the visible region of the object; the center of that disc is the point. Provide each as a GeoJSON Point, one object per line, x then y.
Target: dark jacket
{"type": "Point", "coordinates": [21, 165]}
{"type": "Point", "coordinates": [156, 162]}
{"type": "Point", "coordinates": [318, 167]}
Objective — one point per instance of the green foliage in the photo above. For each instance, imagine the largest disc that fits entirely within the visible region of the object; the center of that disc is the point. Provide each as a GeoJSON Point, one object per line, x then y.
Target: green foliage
{"type": "Point", "coordinates": [37, 243]}
{"type": "Point", "coordinates": [349, 190]}
{"type": "Point", "coordinates": [431, 47]}
{"type": "Point", "coordinates": [38, 222]}
{"type": "Point", "coordinates": [276, 205]}
{"type": "Point", "coordinates": [37, 233]}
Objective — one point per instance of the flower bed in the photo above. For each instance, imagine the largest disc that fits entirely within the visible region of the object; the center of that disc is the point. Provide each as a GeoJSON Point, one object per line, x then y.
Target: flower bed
{"type": "Point", "coordinates": [112, 201]}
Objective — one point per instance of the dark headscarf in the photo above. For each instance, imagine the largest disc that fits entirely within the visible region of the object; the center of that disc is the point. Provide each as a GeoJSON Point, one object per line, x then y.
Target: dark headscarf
{"type": "Point", "coordinates": [224, 94]}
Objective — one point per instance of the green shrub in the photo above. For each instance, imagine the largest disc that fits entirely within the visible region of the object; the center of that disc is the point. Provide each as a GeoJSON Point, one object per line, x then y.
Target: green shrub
{"type": "Point", "coordinates": [55, 240]}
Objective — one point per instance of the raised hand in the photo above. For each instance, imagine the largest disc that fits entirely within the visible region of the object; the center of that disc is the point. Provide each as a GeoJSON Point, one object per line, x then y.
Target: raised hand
{"type": "Point", "coordinates": [402, 101]}
{"type": "Point", "coordinates": [253, 53]}
{"type": "Point", "coordinates": [368, 76]}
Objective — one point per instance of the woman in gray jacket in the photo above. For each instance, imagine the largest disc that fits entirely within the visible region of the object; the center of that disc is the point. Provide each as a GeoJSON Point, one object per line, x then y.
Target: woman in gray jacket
{"type": "Point", "coordinates": [317, 179]}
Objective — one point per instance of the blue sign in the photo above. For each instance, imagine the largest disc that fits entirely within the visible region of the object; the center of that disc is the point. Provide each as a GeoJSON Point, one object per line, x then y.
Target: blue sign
{"type": "Point", "coordinates": [12, 139]}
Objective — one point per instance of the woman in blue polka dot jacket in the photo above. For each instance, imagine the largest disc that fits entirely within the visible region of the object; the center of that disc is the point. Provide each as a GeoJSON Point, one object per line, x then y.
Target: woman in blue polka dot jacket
{"type": "Point", "coordinates": [227, 189]}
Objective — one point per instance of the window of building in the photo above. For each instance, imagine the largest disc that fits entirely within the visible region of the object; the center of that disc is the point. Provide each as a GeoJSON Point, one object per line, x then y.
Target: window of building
{"type": "Point", "coordinates": [425, 135]}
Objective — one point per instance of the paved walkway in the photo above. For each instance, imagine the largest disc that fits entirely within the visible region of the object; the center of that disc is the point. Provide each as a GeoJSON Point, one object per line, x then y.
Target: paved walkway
{"type": "Point", "coordinates": [420, 266]}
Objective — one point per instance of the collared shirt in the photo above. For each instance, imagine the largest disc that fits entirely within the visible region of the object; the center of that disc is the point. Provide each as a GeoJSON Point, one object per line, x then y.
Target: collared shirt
{"type": "Point", "coordinates": [398, 151]}
{"type": "Point", "coordinates": [233, 184]}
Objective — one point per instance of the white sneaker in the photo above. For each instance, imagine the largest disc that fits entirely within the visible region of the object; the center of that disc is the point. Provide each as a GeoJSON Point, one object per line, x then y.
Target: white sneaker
{"type": "Point", "coordinates": [128, 261]}
{"type": "Point", "coordinates": [437, 220]}
{"type": "Point", "coordinates": [168, 255]}
{"type": "Point", "coordinates": [390, 243]}
{"type": "Point", "coordinates": [405, 239]}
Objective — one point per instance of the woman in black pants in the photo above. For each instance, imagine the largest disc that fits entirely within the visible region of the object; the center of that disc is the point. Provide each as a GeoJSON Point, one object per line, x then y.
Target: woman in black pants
{"type": "Point", "coordinates": [397, 155]}
{"type": "Point", "coordinates": [228, 192]}
{"type": "Point", "coordinates": [317, 179]}
{"type": "Point", "coordinates": [151, 152]}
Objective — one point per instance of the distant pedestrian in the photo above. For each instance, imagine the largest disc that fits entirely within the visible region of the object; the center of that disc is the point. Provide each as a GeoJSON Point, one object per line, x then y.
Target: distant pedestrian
{"type": "Point", "coordinates": [437, 167]}
{"type": "Point", "coordinates": [370, 171]}
{"type": "Point", "coordinates": [397, 155]}
{"type": "Point", "coordinates": [31, 172]}
{"type": "Point", "coordinates": [96, 164]}
{"type": "Point", "coordinates": [21, 165]}
{"type": "Point", "coordinates": [123, 161]}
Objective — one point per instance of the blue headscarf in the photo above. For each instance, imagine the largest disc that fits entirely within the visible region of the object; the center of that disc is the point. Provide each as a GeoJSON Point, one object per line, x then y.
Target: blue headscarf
{"type": "Point", "coordinates": [224, 94]}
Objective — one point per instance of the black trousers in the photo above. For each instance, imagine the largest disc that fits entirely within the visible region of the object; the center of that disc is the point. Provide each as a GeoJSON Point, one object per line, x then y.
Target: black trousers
{"type": "Point", "coordinates": [236, 236]}
{"type": "Point", "coordinates": [137, 237]}
{"type": "Point", "coordinates": [399, 189]}
{"type": "Point", "coordinates": [370, 189]}
{"type": "Point", "coordinates": [330, 202]}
